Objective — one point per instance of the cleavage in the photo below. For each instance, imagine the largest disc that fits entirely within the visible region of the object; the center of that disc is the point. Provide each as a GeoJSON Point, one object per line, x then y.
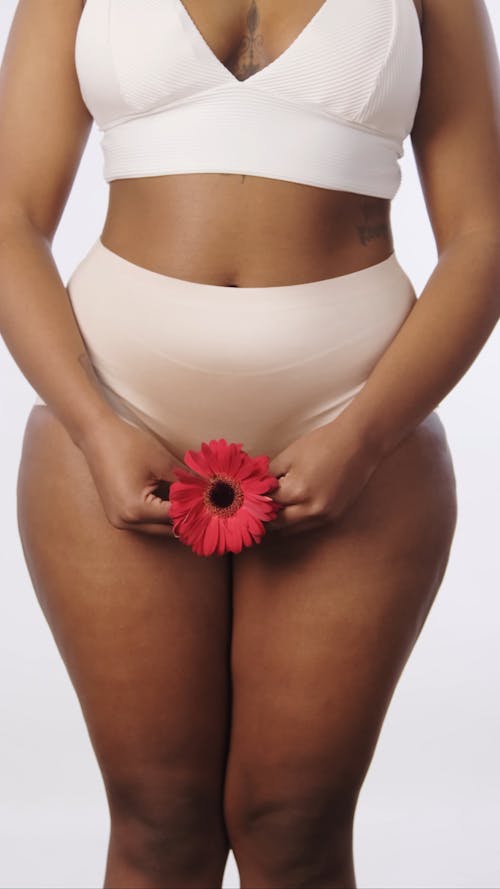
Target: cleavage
{"type": "Point", "coordinates": [247, 36]}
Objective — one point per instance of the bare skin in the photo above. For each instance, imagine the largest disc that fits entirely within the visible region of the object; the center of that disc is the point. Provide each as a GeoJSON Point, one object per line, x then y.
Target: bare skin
{"type": "Point", "coordinates": [236, 701]}
{"type": "Point", "coordinates": [246, 231]}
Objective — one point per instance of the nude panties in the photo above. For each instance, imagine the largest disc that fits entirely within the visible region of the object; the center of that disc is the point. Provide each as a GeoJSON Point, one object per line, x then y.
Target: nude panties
{"type": "Point", "coordinates": [257, 365]}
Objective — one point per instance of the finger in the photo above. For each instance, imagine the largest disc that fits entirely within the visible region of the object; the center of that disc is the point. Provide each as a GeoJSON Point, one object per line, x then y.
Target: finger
{"type": "Point", "coordinates": [290, 492]}
{"type": "Point", "coordinates": [280, 464]}
{"type": "Point", "coordinates": [160, 488]}
{"type": "Point", "coordinates": [152, 510]}
{"type": "Point", "coordinates": [294, 512]}
{"type": "Point", "coordinates": [294, 519]}
{"type": "Point", "coordinates": [283, 498]}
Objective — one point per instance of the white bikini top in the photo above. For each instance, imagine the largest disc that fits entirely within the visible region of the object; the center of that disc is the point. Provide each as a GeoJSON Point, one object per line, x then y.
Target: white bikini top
{"type": "Point", "coordinates": [332, 110]}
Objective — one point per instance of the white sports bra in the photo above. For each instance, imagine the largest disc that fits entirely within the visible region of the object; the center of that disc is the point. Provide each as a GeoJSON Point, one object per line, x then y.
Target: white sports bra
{"type": "Point", "coordinates": [331, 111]}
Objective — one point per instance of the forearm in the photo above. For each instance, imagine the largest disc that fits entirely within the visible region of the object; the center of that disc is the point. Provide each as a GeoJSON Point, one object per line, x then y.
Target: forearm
{"type": "Point", "coordinates": [39, 329]}
{"type": "Point", "coordinates": [435, 346]}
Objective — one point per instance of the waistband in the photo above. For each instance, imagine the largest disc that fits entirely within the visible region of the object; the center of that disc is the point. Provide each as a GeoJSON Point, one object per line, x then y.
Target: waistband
{"type": "Point", "coordinates": [359, 282]}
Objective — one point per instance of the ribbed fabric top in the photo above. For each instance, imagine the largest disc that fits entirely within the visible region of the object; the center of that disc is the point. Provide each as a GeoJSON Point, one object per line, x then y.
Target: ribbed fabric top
{"type": "Point", "coordinates": [331, 111]}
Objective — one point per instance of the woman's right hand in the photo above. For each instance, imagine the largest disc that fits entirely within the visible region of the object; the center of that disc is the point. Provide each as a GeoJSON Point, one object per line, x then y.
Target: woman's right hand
{"type": "Point", "coordinates": [127, 465]}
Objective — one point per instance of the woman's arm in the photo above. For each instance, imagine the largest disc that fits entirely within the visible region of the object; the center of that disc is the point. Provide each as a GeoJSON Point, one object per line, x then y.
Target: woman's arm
{"type": "Point", "coordinates": [44, 129]}
{"type": "Point", "coordinates": [456, 139]}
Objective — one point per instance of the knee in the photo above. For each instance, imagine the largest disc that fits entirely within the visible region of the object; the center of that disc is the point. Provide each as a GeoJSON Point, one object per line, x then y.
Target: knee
{"type": "Point", "coordinates": [294, 839]}
{"type": "Point", "coordinates": [161, 821]}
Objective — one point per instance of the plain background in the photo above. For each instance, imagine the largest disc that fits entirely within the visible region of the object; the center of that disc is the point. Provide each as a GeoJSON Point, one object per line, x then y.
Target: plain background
{"type": "Point", "coordinates": [429, 810]}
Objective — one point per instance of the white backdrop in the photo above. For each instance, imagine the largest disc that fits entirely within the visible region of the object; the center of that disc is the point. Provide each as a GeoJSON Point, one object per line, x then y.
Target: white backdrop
{"type": "Point", "coordinates": [430, 804]}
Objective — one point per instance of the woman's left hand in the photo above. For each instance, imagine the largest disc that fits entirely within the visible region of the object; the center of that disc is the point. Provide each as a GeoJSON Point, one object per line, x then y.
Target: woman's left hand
{"type": "Point", "coordinates": [322, 473]}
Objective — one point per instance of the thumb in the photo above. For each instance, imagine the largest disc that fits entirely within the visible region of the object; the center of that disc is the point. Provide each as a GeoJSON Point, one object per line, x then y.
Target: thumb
{"type": "Point", "coordinates": [279, 465]}
{"type": "Point", "coordinates": [155, 504]}
{"type": "Point", "coordinates": [284, 493]}
{"type": "Point", "coordinates": [162, 473]}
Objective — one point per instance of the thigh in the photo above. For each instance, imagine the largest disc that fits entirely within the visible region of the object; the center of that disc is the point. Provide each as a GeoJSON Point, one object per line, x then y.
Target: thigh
{"type": "Point", "coordinates": [142, 625]}
{"type": "Point", "coordinates": [323, 623]}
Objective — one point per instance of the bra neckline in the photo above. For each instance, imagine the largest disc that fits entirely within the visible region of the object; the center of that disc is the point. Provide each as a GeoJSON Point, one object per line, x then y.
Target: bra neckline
{"type": "Point", "coordinates": [281, 58]}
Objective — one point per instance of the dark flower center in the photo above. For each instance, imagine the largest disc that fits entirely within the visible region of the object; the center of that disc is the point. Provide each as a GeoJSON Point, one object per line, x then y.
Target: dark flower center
{"type": "Point", "coordinates": [221, 494]}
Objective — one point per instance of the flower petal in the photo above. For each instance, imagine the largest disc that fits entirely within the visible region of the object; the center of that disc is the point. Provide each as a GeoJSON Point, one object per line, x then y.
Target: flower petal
{"type": "Point", "coordinates": [235, 537]}
{"type": "Point", "coordinates": [221, 460]}
{"type": "Point", "coordinates": [214, 453]}
{"type": "Point", "coordinates": [236, 461]}
{"type": "Point", "coordinates": [256, 485]}
{"type": "Point", "coordinates": [211, 536]}
{"type": "Point", "coordinates": [255, 466]}
{"type": "Point", "coordinates": [197, 461]}
{"type": "Point", "coordinates": [222, 545]}
{"type": "Point", "coordinates": [187, 478]}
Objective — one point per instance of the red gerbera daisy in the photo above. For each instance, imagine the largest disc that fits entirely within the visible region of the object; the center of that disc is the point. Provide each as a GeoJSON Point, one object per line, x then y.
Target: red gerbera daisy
{"type": "Point", "coordinates": [224, 506]}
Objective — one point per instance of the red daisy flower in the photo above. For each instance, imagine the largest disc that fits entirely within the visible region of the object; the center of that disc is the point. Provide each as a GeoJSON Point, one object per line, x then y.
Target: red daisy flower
{"type": "Point", "coordinates": [223, 507]}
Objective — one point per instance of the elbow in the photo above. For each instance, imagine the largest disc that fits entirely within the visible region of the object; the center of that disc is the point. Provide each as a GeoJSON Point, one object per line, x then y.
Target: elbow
{"type": "Point", "coordinates": [481, 244]}
{"type": "Point", "coordinates": [484, 233]}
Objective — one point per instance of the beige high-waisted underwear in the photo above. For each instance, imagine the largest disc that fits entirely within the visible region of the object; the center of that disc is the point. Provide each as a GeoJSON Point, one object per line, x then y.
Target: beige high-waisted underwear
{"type": "Point", "coordinates": [258, 365]}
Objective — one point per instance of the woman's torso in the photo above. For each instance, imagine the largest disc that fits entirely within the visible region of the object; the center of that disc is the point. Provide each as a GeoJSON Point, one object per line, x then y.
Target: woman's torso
{"type": "Point", "coordinates": [237, 230]}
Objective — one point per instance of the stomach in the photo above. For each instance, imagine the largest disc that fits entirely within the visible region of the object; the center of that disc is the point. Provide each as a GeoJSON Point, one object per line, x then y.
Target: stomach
{"type": "Point", "coordinates": [244, 231]}
{"type": "Point", "coordinates": [321, 295]}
